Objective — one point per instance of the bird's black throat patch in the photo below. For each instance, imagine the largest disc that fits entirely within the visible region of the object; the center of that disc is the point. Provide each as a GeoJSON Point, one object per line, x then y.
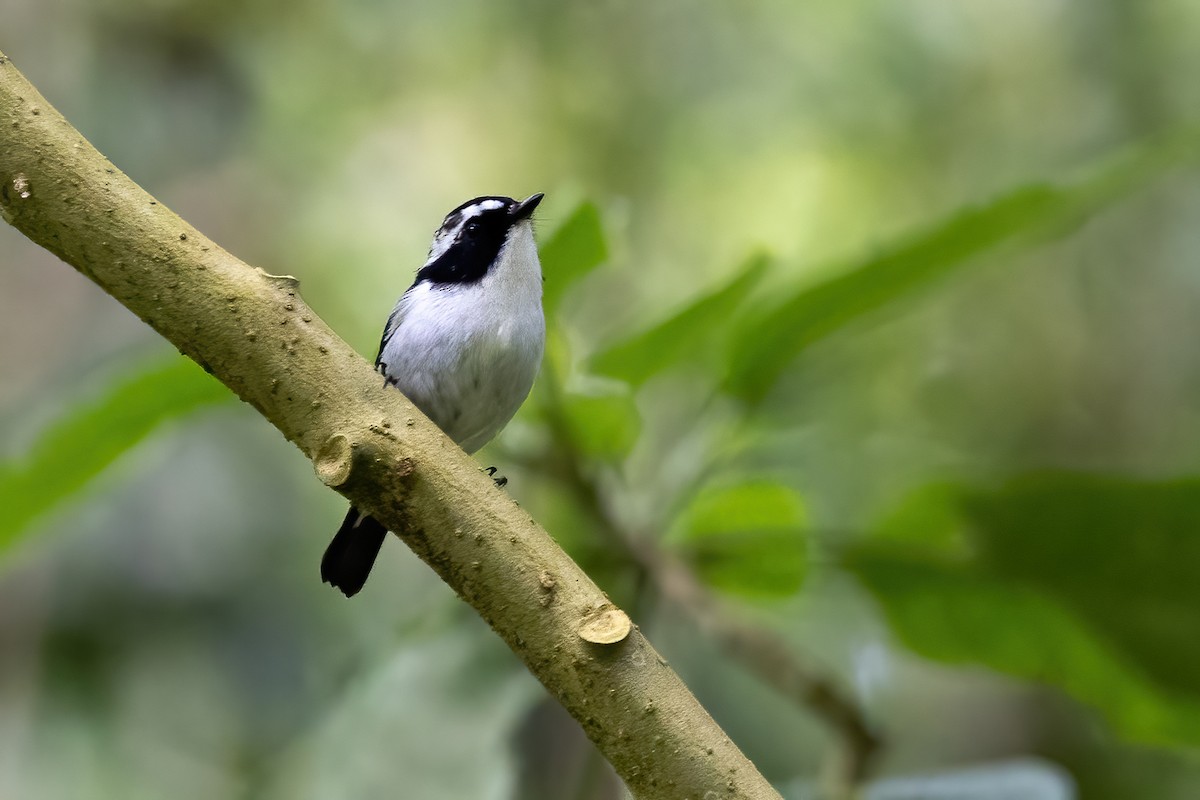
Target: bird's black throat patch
{"type": "Point", "coordinates": [478, 237]}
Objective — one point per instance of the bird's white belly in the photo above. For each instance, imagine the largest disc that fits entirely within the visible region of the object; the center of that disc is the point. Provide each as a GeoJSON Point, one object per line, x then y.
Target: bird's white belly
{"type": "Point", "coordinates": [467, 365]}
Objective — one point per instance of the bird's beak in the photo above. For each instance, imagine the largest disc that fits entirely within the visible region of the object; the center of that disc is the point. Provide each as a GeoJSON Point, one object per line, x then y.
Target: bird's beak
{"type": "Point", "coordinates": [523, 209]}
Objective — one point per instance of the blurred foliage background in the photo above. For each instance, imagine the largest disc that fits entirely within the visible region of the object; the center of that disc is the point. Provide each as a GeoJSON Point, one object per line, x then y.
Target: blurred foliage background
{"type": "Point", "coordinates": [879, 317]}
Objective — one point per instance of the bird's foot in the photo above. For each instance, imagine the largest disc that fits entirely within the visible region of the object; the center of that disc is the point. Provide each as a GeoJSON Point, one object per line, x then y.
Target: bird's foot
{"type": "Point", "coordinates": [501, 481]}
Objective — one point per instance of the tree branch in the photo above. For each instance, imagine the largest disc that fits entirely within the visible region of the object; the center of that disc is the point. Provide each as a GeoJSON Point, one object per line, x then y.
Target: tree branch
{"type": "Point", "coordinates": [254, 333]}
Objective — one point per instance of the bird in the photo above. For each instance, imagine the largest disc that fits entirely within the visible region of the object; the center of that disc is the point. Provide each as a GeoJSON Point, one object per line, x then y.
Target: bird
{"type": "Point", "coordinates": [463, 343]}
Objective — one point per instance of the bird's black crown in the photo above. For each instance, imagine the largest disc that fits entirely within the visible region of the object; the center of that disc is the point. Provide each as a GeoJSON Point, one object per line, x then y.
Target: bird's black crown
{"type": "Point", "coordinates": [471, 237]}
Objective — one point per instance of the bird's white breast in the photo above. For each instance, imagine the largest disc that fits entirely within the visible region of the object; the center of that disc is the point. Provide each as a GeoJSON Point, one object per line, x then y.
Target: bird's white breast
{"type": "Point", "coordinates": [467, 353]}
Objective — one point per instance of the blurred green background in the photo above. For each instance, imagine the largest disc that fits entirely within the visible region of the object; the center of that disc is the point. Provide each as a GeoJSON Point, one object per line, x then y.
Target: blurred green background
{"type": "Point", "coordinates": [882, 317]}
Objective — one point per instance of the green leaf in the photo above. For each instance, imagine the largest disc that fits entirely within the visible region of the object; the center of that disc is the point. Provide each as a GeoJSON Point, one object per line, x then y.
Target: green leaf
{"type": "Point", "coordinates": [758, 505]}
{"type": "Point", "coordinates": [929, 519]}
{"type": "Point", "coordinates": [747, 539]}
{"type": "Point", "coordinates": [572, 251]}
{"type": "Point", "coordinates": [85, 441]}
{"type": "Point", "coordinates": [1032, 214]}
{"type": "Point", "coordinates": [687, 335]}
{"type": "Point", "coordinates": [1084, 582]}
{"type": "Point", "coordinates": [604, 424]}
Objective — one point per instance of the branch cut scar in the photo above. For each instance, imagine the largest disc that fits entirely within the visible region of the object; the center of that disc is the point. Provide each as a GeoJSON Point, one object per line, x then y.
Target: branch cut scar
{"type": "Point", "coordinates": [605, 625]}
{"type": "Point", "coordinates": [18, 189]}
{"type": "Point", "coordinates": [335, 461]}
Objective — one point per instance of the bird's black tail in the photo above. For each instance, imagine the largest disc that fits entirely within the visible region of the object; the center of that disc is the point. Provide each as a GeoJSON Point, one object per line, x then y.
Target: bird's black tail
{"type": "Point", "coordinates": [348, 559]}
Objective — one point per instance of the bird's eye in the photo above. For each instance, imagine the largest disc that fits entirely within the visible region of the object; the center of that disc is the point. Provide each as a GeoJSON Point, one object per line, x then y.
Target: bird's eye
{"type": "Point", "coordinates": [471, 229]}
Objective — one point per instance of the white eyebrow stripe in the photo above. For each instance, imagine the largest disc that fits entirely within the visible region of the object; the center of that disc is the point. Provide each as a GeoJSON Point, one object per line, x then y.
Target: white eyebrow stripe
{"type": "Point", "coordinates": [478, 208]}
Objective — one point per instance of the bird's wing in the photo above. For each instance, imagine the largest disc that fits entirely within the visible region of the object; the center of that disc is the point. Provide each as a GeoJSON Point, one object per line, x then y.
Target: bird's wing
{"type": "Point", "coordinates": [395, 319]}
